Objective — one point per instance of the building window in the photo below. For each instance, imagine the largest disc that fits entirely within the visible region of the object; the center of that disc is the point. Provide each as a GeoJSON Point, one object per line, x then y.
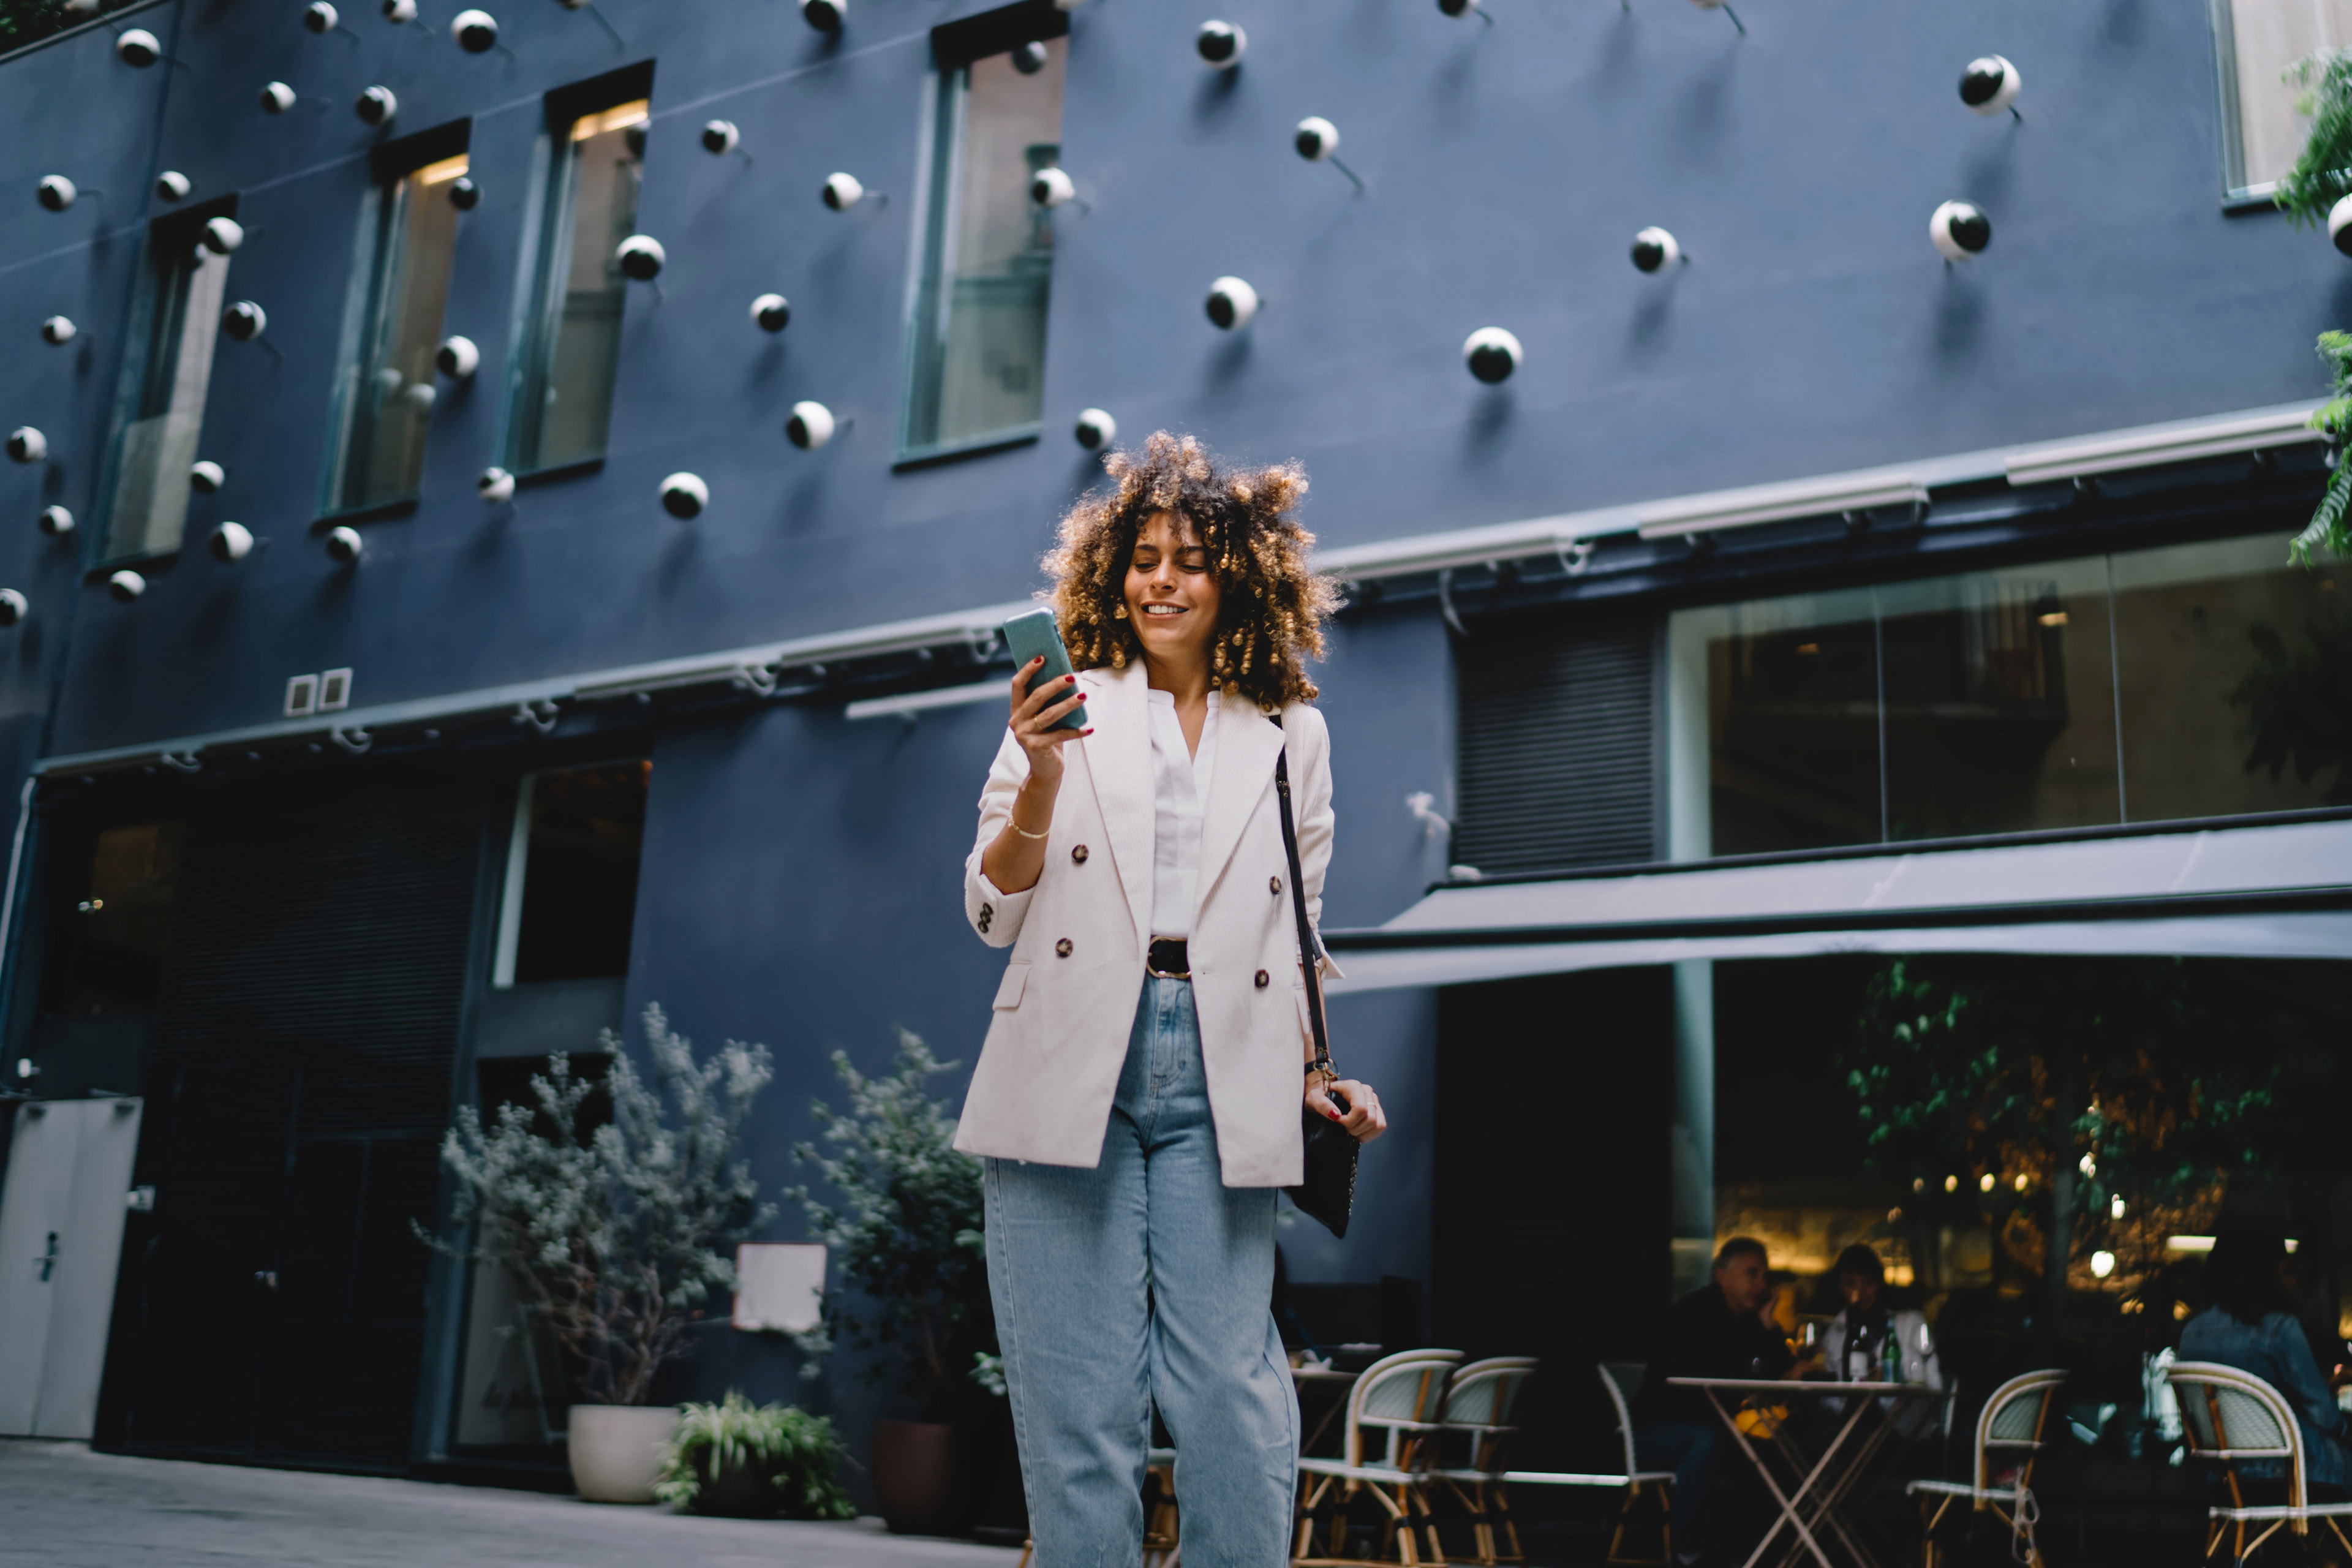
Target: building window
{"type": "Point", "coordinates": [407, 242]}
{"type": "Point", "coordinates": [563, 391]}
{"type": "Point", "coordinates": [572, 875]}
{"type": "Point", "coordinates": [2254, 44]}
{"type": "Point", "coordinates": [112, 924]}
{"type": "Point", "coordinates": [176, 329]}
{"type": "Point", "coordinates": [2159, 685]}
{"type": "Point", "coordinates": [976, 339]}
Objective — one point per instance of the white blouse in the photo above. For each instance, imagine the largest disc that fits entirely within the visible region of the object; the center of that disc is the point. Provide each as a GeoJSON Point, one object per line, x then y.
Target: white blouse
{"type": "Point", "coordinates": [1179, 783]}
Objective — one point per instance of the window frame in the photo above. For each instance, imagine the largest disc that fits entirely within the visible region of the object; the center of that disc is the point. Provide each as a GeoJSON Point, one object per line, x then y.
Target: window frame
{"type": "Point", "coordinates": [173, 232]}
{"type": "Point", "coordinates": [514, 874]}
{"type": "Point", "coordinates": [2238, 194]}
{"type": "Point", "coordinates": [546, 255]}
{"type": "Point", "coordinates": [939, 168]}
{"type": "Point", "coordinates": [376, 233]}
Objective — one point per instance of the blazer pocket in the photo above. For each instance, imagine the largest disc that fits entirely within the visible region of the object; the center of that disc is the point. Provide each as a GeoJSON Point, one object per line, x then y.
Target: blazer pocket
{"type": "Point", "coordinates": [1009, 989]}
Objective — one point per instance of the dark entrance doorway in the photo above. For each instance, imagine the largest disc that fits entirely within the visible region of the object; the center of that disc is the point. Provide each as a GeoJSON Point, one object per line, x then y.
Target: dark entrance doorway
{"type": "Point", "coordinates": [305, 1031]}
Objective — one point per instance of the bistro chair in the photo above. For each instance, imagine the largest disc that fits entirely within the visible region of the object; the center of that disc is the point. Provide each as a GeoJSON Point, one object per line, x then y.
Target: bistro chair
{"type": "Point", "coordinates": [1397, 1402]}
{"type": "Point", "coordinates": [1159, 1545]}
{"type": "Point", "coordinates": [1481, 1403]}
{"type": "Point", "coordinates": [1622, 1380]}
{"type": "Point", "coordinates": [2011, 1421]}
{"type": "Point", "coordinates": [2231, 1417]}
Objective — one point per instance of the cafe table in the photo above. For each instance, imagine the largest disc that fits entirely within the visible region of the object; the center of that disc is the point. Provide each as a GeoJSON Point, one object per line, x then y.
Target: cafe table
{"type": "Point", "coordinates": [1811, 1490]}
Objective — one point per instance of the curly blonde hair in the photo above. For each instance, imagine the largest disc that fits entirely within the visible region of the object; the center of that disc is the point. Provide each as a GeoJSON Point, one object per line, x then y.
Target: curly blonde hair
{"type": "Point", "coordinates": [1270, 622]}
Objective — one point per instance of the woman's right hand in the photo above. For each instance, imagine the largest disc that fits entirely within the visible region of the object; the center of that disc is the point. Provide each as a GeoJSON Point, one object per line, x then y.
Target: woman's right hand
{"type": "Point", "coordinates": [1035, 714]}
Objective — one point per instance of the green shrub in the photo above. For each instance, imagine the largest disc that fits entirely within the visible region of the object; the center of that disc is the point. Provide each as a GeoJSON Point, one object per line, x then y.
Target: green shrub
{"type": "Point", "coordinates": [732, 1457]}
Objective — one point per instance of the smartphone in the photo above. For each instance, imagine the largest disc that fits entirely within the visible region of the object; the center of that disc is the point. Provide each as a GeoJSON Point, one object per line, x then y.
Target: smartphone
{"type": "Point", "coordinates": [1029, 635]}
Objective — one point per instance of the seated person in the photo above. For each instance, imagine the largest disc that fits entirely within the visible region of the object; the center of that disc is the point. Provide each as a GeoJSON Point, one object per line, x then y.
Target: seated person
{"type": "Point", "coordinates": [1853, 1347]}
{"type": "Point", "coordinates": [1717, 1331]}
{"type": "Point", "coordinates": [2252, 1326]}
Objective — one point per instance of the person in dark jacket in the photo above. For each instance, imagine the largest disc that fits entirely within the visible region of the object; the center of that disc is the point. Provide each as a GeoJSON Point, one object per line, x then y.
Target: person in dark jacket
{"type": "Point", "coordinates": [2252, 1326]}
{"type": "Point", "coordinates": [1718, 1330]}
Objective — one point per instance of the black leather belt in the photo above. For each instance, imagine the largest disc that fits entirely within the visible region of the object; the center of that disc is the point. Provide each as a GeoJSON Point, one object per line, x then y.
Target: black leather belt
{"type": "Point", "coordinates": [1168, 959]}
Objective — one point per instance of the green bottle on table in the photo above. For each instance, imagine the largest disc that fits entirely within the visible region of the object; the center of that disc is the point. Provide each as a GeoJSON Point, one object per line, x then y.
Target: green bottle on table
{"type": "Point", "coordinates": [1890, 1353]}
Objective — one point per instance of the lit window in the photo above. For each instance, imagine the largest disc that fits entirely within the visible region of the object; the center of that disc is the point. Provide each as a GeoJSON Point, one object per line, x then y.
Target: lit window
{"type": "Point", "coordinates": [976, 343]}
{"type": "Point", "coordinates": [2255, 43]}
{"type": "Point", "coordinates": [572, 875]}
{"type": "Point", "coordinates": [564, 391]}
{"type": "Point", "coordinates": [387, 401]}
{"type": "Point", "coordinates": [177, 327]}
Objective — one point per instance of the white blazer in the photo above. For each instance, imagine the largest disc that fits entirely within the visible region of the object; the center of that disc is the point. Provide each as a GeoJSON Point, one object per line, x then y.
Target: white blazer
{"type": "Point", "coordinates": [1049, 1069]}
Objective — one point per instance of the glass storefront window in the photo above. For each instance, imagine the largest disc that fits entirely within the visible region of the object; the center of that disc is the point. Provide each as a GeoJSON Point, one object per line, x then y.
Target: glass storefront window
{"type": "Point", "coordinates": [388, 399]}
{"type": "Point", "coordinates": [1792, 722]}
{"type": "Point", "coordinates": [1999, 710]}
{"type": "Point", "coordinates": [977, 340]}
{"type": "Point", "coordinates": [563, 397]}
{"type": "Point", "coordinates": [2224, 647]}
{"type": "Point", "coordinates": [2191, 682]}
{"type": "Point", "coordinates": [572, 875]}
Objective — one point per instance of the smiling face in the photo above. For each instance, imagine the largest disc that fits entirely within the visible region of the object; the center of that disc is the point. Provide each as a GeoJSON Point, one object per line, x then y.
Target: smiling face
{"type": "Point", "coordinates": [1171, 591]}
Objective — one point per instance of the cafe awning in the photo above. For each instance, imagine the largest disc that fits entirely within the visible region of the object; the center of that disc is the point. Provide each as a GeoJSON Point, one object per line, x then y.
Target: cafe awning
{"type": "Point", "coordinates": [2276, 891]}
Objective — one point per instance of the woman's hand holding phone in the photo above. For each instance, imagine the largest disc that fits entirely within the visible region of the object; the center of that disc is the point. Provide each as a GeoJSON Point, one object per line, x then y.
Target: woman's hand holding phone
{"type": "Point", "coordinates": [1017, 859]}
{"type": "Point", "coordinates": [1035, 714]}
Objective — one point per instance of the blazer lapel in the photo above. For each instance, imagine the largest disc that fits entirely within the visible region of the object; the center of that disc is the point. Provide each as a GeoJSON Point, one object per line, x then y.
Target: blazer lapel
{"type": "Point", "coordinates": [1248, 743]}
{"type": "Point", "coordinates": [1119, 760]}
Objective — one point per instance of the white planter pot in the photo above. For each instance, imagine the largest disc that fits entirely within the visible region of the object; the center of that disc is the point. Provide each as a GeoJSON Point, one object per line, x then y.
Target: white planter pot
{"type": "Point", "coordinates": [616, 1450]}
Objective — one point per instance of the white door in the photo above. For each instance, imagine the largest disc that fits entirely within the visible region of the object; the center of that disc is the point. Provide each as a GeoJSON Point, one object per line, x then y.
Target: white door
{"type": "Point", "coordinates": [60, 1239]}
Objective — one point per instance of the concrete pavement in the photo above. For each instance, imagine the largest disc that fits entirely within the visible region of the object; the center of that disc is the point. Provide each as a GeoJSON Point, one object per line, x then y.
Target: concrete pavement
{"type": "Point", "coordinates": [62, 1505]}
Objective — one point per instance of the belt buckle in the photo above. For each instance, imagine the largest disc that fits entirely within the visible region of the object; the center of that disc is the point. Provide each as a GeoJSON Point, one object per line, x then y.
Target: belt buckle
{"type": "Point", "coordinates": [1163, 973]}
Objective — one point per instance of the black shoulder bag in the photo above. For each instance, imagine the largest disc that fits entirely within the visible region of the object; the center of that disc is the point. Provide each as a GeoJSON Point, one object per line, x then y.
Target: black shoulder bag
{"type": "Point", "coordinates": [1328, 1191]}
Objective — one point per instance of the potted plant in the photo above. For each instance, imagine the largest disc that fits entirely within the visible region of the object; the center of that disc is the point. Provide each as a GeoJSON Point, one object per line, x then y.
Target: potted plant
{"type": "Point", "coordinates": [615, 1232]}
{"type": "Point", "coordinates": [911, 1272]}
{"type": "Point", "coordinates": [752, 1462]}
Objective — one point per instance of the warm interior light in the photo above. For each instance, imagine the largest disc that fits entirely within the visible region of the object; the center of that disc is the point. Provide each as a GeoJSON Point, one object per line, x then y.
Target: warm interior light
{"type": "Point", "coordinates": [1918, 1183]}
{"type": "Point", "coordinates": [438, 174]}
{"type": "Point", "coordinates": [1893, 1216]}
{"type": "Point", "coordinates": [2020, 1180]}
{"type": "Point", "coordinates": [1984, 1182]}
{"type": "Point", "coordinates": [1809, 648]}
{"type": "Point", "coordinates": [1951, 1184]}
{"type": "Point", "coordinates": [2052, 619]}
{"type": "Point", "coordinates": [2103, 1264]}
{"type": "Point", "coordinates": [618, 117]}
{"type": "Point", "coordinates": [2116, 1206]}
{"type": "Point", "coordinates": [2090, 1164]}
{"type": "Point", "coordinates": [2187, 1244]}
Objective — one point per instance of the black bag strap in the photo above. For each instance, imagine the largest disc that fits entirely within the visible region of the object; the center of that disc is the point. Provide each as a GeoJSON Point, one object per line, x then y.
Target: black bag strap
{"type": "Point", "coordinates": [1308, 949]}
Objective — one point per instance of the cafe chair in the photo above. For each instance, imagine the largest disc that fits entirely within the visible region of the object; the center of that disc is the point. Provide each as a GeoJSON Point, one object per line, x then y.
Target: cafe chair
{"type": "Point", "coordinates": [2231, 1417]}
{"type": "Point", "coordinates": [1159, 1546]}
{"type": "Point", "coordinates": [1621, 1380]}
{"type": "Point", "coordinates": [1397, 1403]}
{"type": "Point", "coordinates": [1481, 1403]}
{"type": "Point", "coordinates": [2012, 1423]}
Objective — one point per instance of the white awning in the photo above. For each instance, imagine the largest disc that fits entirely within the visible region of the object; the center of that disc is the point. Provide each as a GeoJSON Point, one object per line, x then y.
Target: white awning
{"type": "Point", "coordinates": [2277, 891]}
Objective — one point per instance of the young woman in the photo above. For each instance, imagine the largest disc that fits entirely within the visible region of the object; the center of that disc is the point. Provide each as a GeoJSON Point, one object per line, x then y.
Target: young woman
{"type": "Point", "coordinates": [1137, 1096]}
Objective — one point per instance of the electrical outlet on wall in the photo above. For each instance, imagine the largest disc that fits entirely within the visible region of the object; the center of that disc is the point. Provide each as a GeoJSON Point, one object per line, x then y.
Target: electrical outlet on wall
{"type": "Point", "coordinates": [301, 695]}
{"type": "Point", "coordinates": [334, 690]}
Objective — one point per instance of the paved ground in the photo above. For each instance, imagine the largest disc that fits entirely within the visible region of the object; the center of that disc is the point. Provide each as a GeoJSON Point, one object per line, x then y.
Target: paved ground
{"type": "Point", "coordinates": [62, 1505]}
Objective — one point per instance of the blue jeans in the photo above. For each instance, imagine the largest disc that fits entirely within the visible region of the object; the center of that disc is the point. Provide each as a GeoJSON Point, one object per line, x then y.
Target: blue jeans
{"type": "Point", "coordinates": [1687, 1448]}
{"type": "Point", "coordinates": [1145, 1281]}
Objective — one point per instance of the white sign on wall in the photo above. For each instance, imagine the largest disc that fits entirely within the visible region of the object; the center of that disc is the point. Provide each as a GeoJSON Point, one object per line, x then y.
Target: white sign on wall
{"type": "Point", "coordinates": [779, 1286]}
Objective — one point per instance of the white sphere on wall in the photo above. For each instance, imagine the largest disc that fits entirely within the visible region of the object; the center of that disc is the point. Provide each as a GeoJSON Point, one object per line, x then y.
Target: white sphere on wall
{"type": "Point", "coordinates": [684, 496]}
{"type": "Point", "coordinates": [231, 542]}
{"type": "Point", "coordinates": [810, 425]}
{"type": "Point", "coordinates": [1232, 303]}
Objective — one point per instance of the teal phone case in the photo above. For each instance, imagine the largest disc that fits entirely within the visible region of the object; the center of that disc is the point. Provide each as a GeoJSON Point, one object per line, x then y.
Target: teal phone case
{"type": "Point", "coordinates": [1032, 633]}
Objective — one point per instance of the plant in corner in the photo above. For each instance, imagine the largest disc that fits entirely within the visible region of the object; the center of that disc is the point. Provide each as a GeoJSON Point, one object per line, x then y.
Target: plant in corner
{"type": "Point", "coordinates": [733, 1459]}
{"type": "Point", "coordinates": [911, 1265]}
{"type": "Point", "coordinates": [2308, 193]}
{"type": "Point", "coordinates": [615, 1233]}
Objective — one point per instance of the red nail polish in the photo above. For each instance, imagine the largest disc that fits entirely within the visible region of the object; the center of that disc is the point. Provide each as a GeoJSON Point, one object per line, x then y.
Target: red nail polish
{"type": "Point", "coordinates": [1335, 1116]}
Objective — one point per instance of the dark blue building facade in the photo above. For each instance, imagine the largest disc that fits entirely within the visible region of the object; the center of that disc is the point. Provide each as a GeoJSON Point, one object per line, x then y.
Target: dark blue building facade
{"type": "Point", "coordinates": [488, 586]}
